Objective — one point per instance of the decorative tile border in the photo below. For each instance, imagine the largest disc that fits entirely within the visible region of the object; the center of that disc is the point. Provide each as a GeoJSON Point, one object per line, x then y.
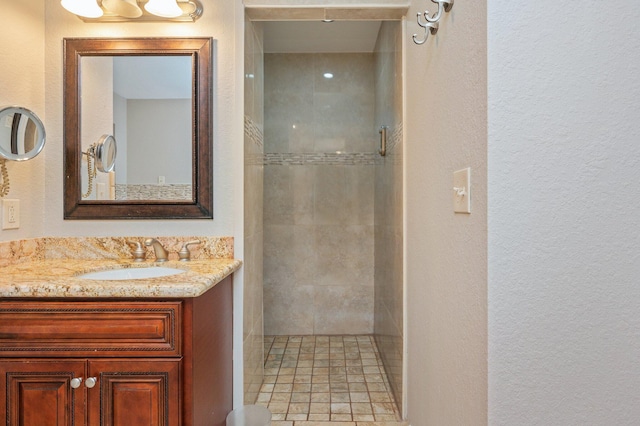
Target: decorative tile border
{"type": "Point", "coordinates": [253, 159]}
{"type": "Point", "coordinates": [335, 158]}
{"type": "Point", "coordinates": [321, 158]}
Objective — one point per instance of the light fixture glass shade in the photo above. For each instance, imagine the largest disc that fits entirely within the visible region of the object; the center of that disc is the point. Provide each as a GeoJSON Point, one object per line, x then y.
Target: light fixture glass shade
{"type": "Point", "coordinates": [126, 8]}
{"type": "Point", "coordinates": [163, 8]}
{"type": "Point", "coordinates": [85, 8]}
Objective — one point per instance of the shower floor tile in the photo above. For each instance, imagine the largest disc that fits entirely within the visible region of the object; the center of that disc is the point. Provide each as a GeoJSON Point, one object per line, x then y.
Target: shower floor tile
{"type": "Point", "coordinates": [326, 381]}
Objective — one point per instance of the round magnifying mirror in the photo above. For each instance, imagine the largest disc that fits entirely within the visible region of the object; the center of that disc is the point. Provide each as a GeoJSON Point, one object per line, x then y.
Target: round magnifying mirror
{"type": "Point", "coordinates": [22, 134]}
{"type": "Point", "coordinates": [106, 153]}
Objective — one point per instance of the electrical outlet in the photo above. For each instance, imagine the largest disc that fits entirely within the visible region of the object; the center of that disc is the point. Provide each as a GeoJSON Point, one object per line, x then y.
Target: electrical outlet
{"type": "Point", "coordinates": [10, 214]}
{"type": "Point", "coordinates": [160, 180]}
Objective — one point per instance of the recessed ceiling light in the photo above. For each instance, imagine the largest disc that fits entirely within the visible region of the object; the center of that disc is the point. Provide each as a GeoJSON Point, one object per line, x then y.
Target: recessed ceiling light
{"type": "Point", "coordinates": [327, 75]}
{"type": "Point", "coordinates": [327, 20]}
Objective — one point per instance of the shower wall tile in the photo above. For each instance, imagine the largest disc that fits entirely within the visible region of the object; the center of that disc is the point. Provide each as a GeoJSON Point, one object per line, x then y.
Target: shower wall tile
{"type": "Point", "coordinates": [253, 330]}
{"type": "Point", "coordinates": [388, 276]}
{"type": "Point", "coordinates": [318, 213]}
{"type": "Point", "coordinates": [289, 308]}
{"type": "Point", "coordinates": [310, 113]}
{"type": "Point", "coordinates": [330, 195]}
{"type": "Point", "coordinates": [289, 103]}
{"type": "Point", "coordinates": [351, 73]}
{"type": "Point", "coordinates": [360, 194]}
{"type": "Point", "coordinates": [279, 258]}
{"type": "Point", "coordinates": [289, 195]}
{"type": "Point", "coordinates": [290, 253]}
{"type": "Point", "coordinates": [339, 119]}
{"type": "Point", "coordinates": [290, 127]}
{"type": "Point", "coordinates": [303, 195]}
{"type": "Point", "coordinates": [345, 104]}
{"type": "Point", "coordinates": [343, 310]}
{"type": "Point", "coordinates": [289, 73]}
{"type": "Point", "coordinates": [343, 195]}
{"type": "Point", "coordinates": [278, 189]}
{"type": "Point", "coordinates": [344, 256]}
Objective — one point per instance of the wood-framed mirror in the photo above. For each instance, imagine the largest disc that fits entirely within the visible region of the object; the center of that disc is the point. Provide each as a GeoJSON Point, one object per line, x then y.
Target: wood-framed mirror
{"type": "Point", "coordinates": [154, 96]}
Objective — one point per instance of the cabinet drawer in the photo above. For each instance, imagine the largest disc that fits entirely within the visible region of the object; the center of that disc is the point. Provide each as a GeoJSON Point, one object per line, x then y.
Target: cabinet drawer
{"type": "Point", "coordinates": [138, 329]}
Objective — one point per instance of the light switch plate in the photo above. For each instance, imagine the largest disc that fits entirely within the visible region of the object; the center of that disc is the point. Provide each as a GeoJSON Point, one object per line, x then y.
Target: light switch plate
{"type": "Point", "coordinates": [10, 214]}
{"type": "Point", "coordinates": [462, 191]}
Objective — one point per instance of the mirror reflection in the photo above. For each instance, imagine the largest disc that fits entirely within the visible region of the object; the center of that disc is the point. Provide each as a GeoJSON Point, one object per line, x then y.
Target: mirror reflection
{"type": "Point", "coordinates": [146, 103]}
{"type": "Point", "coordinates": [101, 157]}
{"type": "Point", "coordinates": [138, 89]}
{"type": "Point", "coordinates": [22, 134]}
{"type": "Point", "coordinates": [105, 154]}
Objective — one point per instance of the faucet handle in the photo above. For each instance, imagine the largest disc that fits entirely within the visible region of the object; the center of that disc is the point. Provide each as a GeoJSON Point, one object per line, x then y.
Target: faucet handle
{"type": "Point", "coordinates": [184, 253]}
{"type": "Point", "coordinates": [138, 252]}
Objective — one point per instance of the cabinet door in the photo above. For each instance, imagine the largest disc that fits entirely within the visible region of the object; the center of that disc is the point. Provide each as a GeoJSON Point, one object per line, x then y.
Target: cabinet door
{"type": "Point", "coordinates": [135, 393]}
{"type": "Point", "coordinates": [38, 392]}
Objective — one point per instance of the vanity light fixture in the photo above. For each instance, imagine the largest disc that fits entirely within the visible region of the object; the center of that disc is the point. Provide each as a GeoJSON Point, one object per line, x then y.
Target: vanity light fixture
{"type": "Point", "coordinates": [125, 8]}
{"type": "Point", "coordinates": [83, 8]}
{"type": "Point", "coordinates": [135, 10]}
{"type": "Point", "coordinates": [163, 8]}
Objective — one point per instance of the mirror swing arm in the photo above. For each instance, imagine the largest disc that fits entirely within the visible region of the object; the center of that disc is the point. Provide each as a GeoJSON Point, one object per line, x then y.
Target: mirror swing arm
{"type": "Point", "coordinates": [4, 178]}
{"type": "Point", "coordinates": [200, 206]}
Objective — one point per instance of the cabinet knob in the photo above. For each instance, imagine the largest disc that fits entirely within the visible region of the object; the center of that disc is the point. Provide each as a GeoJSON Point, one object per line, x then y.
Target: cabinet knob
{"type": "Point", "coordinates": [76, 382]}
{"type": "Point", "coordinates": [90, 382]}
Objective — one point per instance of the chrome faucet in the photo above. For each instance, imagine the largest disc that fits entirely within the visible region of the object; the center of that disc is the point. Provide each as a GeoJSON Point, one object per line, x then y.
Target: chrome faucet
{"type": "Point", "coordinates": [161, 253]}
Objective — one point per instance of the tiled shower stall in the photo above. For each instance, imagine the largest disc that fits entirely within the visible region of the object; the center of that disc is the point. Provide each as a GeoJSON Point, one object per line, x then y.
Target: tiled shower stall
{"type": "Point", "coordinates": [332, 206]}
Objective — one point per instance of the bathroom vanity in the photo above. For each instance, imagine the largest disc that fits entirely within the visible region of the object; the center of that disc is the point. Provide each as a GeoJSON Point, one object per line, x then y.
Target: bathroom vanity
{"type": "Point", "coordinates": [141, 352]}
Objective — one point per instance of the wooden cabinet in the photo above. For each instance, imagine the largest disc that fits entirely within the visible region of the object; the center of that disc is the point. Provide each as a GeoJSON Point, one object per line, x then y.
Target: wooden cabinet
{"type": "Point", "coordinates": [38, 392]}
{"type": "Point", "coordinates": [154, 362]}
{"type": "Point", "coordinates": [127, 392]}
{"type": "Point", "coordinates": [135, 393]}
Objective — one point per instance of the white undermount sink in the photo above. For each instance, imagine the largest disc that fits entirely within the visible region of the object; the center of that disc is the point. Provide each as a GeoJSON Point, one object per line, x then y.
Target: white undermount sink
{"type": "Point", "coordinates": [122, 274]}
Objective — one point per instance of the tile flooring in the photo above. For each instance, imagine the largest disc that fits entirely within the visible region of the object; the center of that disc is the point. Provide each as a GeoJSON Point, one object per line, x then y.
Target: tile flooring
{"type": "Point", "coordinates": [326, 381]}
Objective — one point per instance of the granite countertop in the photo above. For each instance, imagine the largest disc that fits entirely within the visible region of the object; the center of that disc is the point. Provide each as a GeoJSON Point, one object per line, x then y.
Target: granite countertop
{"type": "Point", "coordinates": [59, 278]}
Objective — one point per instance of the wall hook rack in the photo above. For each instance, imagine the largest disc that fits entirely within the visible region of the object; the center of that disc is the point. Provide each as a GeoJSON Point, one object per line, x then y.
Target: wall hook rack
{"type": "Point", "coordinates": [430, 23]}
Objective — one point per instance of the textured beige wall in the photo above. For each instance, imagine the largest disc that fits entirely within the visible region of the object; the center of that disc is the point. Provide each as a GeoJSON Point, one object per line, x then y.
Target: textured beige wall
{"type": "Point", "coordinates": [446, 253]}
{"type": "Point", "coordinates": [253, 333]}
{"type": "Point", "coordinates": [388, 275]}
{"type": "Point", "coordinates": [22, 83]}
{"type": "Point", "coordinates": [319, 210]}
